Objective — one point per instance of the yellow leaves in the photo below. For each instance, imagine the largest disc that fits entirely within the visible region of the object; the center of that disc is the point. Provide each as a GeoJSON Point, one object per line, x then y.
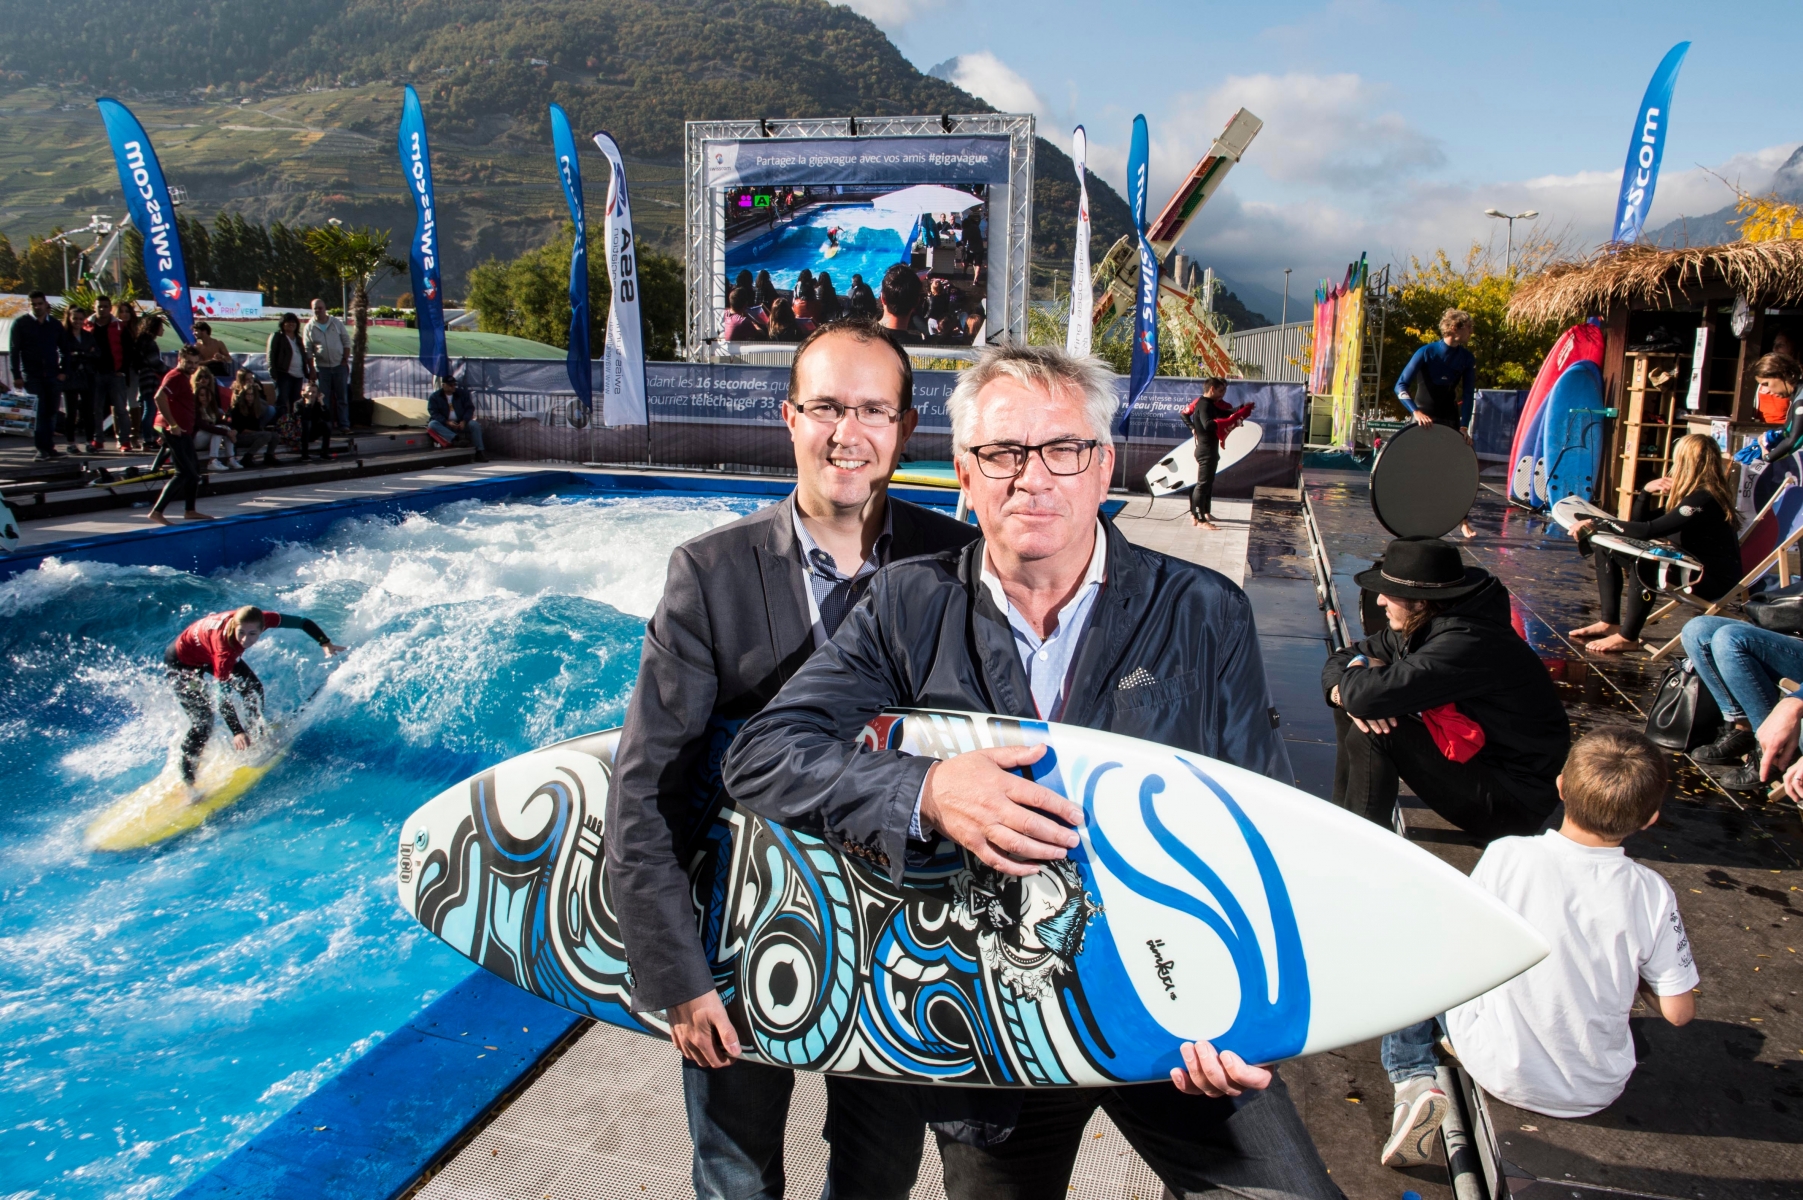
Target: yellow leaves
{"type": "Point", "coordinates": [1767, 218]}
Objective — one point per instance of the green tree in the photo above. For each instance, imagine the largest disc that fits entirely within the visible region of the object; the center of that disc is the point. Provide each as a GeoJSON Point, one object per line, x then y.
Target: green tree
{"type": "Point", "coordinates": [1508, 355]}
{"type": "Point", "coordinates": [9, 265]}
{"type": "Point", "coordinates": [358, 254]}
{"type": "Point", "coordinates": [529, 297]}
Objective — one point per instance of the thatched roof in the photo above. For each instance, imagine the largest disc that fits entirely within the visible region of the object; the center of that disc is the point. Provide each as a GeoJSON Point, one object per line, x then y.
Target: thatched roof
{"type": "Point", "coordinates": [1766, 273]}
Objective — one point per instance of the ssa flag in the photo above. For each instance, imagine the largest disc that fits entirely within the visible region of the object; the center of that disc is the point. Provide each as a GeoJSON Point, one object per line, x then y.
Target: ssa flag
{"type": "Point", "coordinates": [569, 172]}
{"type": "Point", "coordinates": [151, 211]}
{"type": "Point", "coordinates": [422, 254]}
{"type": "Point", "coordinates": [1646, 147]}
{"type": "Point", "coordinates": [1076, 335]}
{"type": "Point", "coordinates": [1145, 304]}
{"type": "Point", "coordinates": [623, 360]}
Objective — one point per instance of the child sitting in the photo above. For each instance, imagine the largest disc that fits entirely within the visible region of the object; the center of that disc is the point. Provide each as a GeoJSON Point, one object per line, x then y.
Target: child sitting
{"type": "Point", "coordinates": [1555, 1038]}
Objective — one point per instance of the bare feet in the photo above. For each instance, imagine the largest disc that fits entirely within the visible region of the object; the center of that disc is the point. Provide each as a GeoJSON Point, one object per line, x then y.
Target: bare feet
{"type": "Point", "coordinates": [156, 518]}
{"type": "Point", "coordinates": [1615, 643]}
{"type": "Point", "coordinates": [1208, 525]}
{"type": "Point", "coordinates": [1599, 629]}
{"type": "Point", "coordinates": [1465, 530]}
{"type": "Point", "coordinates": [191, 515]}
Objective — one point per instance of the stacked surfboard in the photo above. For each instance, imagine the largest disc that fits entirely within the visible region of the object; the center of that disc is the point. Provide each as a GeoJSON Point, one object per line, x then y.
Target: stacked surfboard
{"type": "Point", "coordinates": [1560, 435]}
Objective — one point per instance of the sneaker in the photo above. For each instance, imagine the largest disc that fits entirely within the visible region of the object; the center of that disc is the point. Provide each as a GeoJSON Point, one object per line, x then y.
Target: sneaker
{"type": "Point", "coordinates": [481, 457]}
{"type": "Point", "coordinates": [1744, 778]}
{"type": "Point", "coordinates": [46, 455]}
{"type": "Point", "coordinates": [1734, 744]}
{"type": "Point", "coordinates": [94, 447]}
{"type": "Point", "coordinates": [127, 448]}
{"type": "Point", "coordinates": [1420, 1107]}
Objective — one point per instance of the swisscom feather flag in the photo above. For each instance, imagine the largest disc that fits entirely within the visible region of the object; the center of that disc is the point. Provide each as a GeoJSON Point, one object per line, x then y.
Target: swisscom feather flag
{"type": "Point", "coordinates": [1077, 334]}
{"type": "Point", "coordinates": [151, 211]}
{"type": "Point", "coordinates": [1145, 304]}
{"type": "Point", "coordinates": [422, 255]}
{"type": "Point", "coordinates": [1646, 146]}
{"type": "Point", "coordinates": [623, 360]}
{"type": "Point", "coordinates": [569, 172]}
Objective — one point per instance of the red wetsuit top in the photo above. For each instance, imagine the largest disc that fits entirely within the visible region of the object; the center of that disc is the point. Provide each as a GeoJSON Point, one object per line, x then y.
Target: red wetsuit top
{"type": "Point", "coordinates": [206, 643]}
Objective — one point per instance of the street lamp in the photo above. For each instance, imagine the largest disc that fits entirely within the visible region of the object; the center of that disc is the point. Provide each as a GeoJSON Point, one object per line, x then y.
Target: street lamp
{"type": "Point", "coordinates": [1530, 214]}
{"type": "Point", "coordinates": [1285, 319]}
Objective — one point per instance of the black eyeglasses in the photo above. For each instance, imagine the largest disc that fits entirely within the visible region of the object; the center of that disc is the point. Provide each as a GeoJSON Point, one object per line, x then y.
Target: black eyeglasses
{"type": "Point", "coordinates": [831, 412]}
{"type": "Point", "coordinates": [1062, 456]}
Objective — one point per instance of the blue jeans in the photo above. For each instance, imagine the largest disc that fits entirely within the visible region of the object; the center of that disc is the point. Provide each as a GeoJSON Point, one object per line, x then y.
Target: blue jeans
{"type": "Point", "coordinates": [472, 427]}
{"type": "Point", "coordinates": [49, 393]}
{"type": "Point", "coordinates": [334, 385]}
{"type": "Point", "coordinates": [1409, 1053]}
{"type": "Point", "coordinates": [1741, 664]}
{"type": "Point", "coordinates": [738, 1115]}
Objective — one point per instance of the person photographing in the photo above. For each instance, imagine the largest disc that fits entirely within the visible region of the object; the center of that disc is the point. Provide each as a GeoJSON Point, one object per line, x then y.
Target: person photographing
{"type": "Point", "coordinates": [215, 645]}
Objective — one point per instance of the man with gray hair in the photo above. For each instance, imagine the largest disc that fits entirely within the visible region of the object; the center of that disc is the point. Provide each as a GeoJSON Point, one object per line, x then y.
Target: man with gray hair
{"type": "Point", "coordinates": [1052, 614]}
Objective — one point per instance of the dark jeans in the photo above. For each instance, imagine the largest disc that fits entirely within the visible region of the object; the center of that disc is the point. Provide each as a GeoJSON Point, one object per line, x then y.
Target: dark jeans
{"type": "Point", "coordinates": [738, 1114]}
{"type": "Point", "coordinates": [334, 385]}
{"type": "Point", "coordinates": [184, 485]}
{"type": "Point", "coordinates": [1250, 1146]}
{"type": "Point", "coordinates": [1368, 765]}
{"type": "Point", "coordinates": [1208, 456]}
{"type": "Point", "coordinates": [49, 393]}
{"type": "Point", "coordinates": [315, 423]}
{"type": "Point", "coordinates": [287, 393]}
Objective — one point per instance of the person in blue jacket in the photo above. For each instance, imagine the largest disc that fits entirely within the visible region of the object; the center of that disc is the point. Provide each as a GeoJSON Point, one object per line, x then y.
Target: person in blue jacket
{"type": "Point", "coordinates": [1440, 381]}
{"type": "Point", "coordinates": [451, 412]}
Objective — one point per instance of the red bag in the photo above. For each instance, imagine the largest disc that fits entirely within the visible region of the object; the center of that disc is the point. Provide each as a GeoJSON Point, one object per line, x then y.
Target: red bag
{"type": "Point", "coordinates": [1456, 735]}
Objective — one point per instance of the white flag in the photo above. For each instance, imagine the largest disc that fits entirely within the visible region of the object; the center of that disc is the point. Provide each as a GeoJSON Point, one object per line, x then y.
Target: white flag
{"type": "Point", "coordinates": [1076, 337]}
{"type": "Point", "coordinates": [623, 360]}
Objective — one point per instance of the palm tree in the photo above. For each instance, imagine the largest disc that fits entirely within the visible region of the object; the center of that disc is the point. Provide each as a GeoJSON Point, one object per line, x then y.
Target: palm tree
{"type": "Point", "coordinates": [358, 254]}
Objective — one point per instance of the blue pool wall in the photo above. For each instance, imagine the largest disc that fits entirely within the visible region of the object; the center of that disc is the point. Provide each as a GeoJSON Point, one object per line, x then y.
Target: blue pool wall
{"type": "Point", "coordinates": [372, 1129]}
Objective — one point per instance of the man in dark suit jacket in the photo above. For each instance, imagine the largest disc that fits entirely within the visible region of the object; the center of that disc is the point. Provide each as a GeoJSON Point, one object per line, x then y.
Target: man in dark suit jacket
{"type": "Point", "coordinates": [744, 606]}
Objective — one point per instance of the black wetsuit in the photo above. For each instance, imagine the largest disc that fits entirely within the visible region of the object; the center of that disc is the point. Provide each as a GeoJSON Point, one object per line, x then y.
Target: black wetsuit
{"type": "Point", "coordinates": [196, 698]}
{"type": "Point", "coordinates": [1698, 526]}
{"type": "Point", "coordinates": [1201, 419]}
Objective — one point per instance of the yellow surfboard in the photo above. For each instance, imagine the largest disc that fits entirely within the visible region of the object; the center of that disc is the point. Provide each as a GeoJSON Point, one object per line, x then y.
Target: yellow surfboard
{"type": "Point", "coordinates": [926, 474]}
{"type": "Point", "coordinates": [161, 808]}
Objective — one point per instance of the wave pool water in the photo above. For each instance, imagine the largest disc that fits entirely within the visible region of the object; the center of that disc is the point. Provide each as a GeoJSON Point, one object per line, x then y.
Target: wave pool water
{"type": "Point", "coordinates": [158, 1008]}
{"type": "Point", "coordinates": [870, 242]}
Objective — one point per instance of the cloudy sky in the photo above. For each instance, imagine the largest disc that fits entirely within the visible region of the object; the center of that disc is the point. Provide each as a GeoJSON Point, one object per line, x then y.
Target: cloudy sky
{"type": "Point", "coordinates": [1389, 127]}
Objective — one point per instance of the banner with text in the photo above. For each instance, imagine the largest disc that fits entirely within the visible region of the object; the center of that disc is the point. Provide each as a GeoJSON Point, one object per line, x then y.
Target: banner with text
{"type": "Point", "coordinates": [422, 255]}
{"type": "Point", "coordinates": [152, 212]}
{"type": "Point", "coordinates": [569, 173]}
{"type": "Point", "coordinates": [857, 160]}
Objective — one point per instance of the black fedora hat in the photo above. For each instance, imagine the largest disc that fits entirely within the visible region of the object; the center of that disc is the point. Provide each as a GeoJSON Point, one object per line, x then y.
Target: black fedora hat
{"type": "Point", "coordinates": [1422, 568]}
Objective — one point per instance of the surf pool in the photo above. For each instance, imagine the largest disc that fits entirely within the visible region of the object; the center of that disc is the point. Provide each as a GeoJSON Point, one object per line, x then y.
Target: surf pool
{"type": "Point", "coordinates": [158, 1008]}
{"type": "Point", "coordinates": [870, 242]}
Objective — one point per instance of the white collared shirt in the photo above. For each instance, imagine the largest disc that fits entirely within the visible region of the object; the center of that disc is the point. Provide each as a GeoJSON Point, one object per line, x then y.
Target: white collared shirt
{"type": "Point", "coordinates": [1047, 661]}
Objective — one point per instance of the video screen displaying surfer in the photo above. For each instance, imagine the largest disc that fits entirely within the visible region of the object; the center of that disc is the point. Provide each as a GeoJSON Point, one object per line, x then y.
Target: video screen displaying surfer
{"type": "Point", "coordinates": [800, 231]}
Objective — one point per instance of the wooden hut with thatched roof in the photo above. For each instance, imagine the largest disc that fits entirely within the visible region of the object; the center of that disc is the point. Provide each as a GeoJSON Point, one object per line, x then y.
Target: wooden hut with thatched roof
{"type": "Point", "coordinates": [1683, 329]}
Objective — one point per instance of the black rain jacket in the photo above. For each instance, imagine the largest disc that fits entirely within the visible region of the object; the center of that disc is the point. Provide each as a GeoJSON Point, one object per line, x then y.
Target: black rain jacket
{"type": "Point", "coordinates": [1471, 656]}
{"type": "Point", "coordinates": [1170, 655]}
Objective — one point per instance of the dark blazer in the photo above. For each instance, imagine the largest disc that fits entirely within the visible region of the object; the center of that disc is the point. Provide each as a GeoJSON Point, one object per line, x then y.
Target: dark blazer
{"type": "Point", "coordinates": [731, 629]}
{"type": "Point", "coordinates": [1171, 655]}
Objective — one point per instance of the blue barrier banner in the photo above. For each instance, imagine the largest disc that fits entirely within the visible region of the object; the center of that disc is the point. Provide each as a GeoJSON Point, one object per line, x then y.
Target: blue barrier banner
{"type": "Point", "coordinates": [422, 255]}
{"type": "Point", "coordinates": [1145, 307]}
{"type": "Point", "coordinates": [1646, 147]}
{"type": "Point", "coordinates": [869, 160]}
{"type": "Point", "coordinates": [569, 173]}
{"type": "Point", "coordinates": [147, 196]}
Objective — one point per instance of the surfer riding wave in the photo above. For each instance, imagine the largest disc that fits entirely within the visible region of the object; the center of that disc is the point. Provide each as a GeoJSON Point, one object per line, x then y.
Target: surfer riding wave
{"type": "Point", "coordinates": [215, 645]}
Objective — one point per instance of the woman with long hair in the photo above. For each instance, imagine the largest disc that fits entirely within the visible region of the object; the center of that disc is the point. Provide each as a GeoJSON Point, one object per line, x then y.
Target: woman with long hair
{"type": "Point", "coordinates": [764, 292]}
{"type": "Point", "coordinates": [1699, 517]}
{"type": "Point", "coordinates": [827, 305]}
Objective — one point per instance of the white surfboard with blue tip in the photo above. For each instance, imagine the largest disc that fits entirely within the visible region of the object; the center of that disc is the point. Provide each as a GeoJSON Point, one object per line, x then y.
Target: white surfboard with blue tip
{"type": "Point", "coordinates": [1204, 902]}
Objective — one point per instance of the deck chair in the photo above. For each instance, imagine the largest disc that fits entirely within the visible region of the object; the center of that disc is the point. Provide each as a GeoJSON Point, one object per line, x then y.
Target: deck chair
{"type": "Point", "coordinates": [1770, 541]}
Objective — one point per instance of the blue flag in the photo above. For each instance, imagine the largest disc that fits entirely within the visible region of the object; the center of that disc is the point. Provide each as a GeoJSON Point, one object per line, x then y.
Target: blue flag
{"type": "Point", "coordinates": [151, 211]}
{"type": "Point", "coordinates": [1646, 147]}
{"type": "Point", "coordinates": [1145, 305]}
{"type": "Point", "coordinates": [422, 255]}
{"type": "Point", "coordinates": [569, 171]}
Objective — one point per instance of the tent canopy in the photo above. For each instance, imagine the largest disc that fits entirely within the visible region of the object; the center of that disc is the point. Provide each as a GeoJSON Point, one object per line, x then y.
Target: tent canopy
{"type": "Point", "coordinates": [926, 198]}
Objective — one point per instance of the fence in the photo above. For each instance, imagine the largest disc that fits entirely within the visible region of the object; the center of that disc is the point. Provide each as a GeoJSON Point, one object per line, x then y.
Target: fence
{"type": "Point", "coordinates": [1275, 353]}
{"type": "Point", "coordinates": [726, 417]}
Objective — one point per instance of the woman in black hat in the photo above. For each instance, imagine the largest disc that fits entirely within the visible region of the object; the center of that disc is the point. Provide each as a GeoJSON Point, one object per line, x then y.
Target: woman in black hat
{"type": "Point", "coordinates": [1448, 697]}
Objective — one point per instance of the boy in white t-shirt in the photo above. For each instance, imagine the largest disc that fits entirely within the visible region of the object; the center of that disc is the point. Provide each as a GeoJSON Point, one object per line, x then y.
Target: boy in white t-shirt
{"type": "Point", "coordinates": [1555, 1038]}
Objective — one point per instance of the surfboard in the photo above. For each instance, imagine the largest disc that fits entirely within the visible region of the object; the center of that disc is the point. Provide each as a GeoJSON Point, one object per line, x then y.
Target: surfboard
{"type": "Point", "coordinates": [1580, 343]}
{"type": "Point", "coordinates": [1576, 428]}
{"type": "Point", "coordinates": [926, 474]}
{"type": "Point", "coordinates": [1676, 569]}
{"type": "Point", "coordinates": [161, 809]}
{"type": "Point", "coordinates": [1205, 901]}
{"type": "Point", "coordinates": [9, 529]}
{"type": "Point", "coordinates": [1179, 470]}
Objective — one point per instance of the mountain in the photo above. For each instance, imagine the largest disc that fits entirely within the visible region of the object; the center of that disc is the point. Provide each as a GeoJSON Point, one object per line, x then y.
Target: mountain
{"type": "Point", "coordinates": [1719, 226]}
{"type": "Point", "coordinates": [289, 111]}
